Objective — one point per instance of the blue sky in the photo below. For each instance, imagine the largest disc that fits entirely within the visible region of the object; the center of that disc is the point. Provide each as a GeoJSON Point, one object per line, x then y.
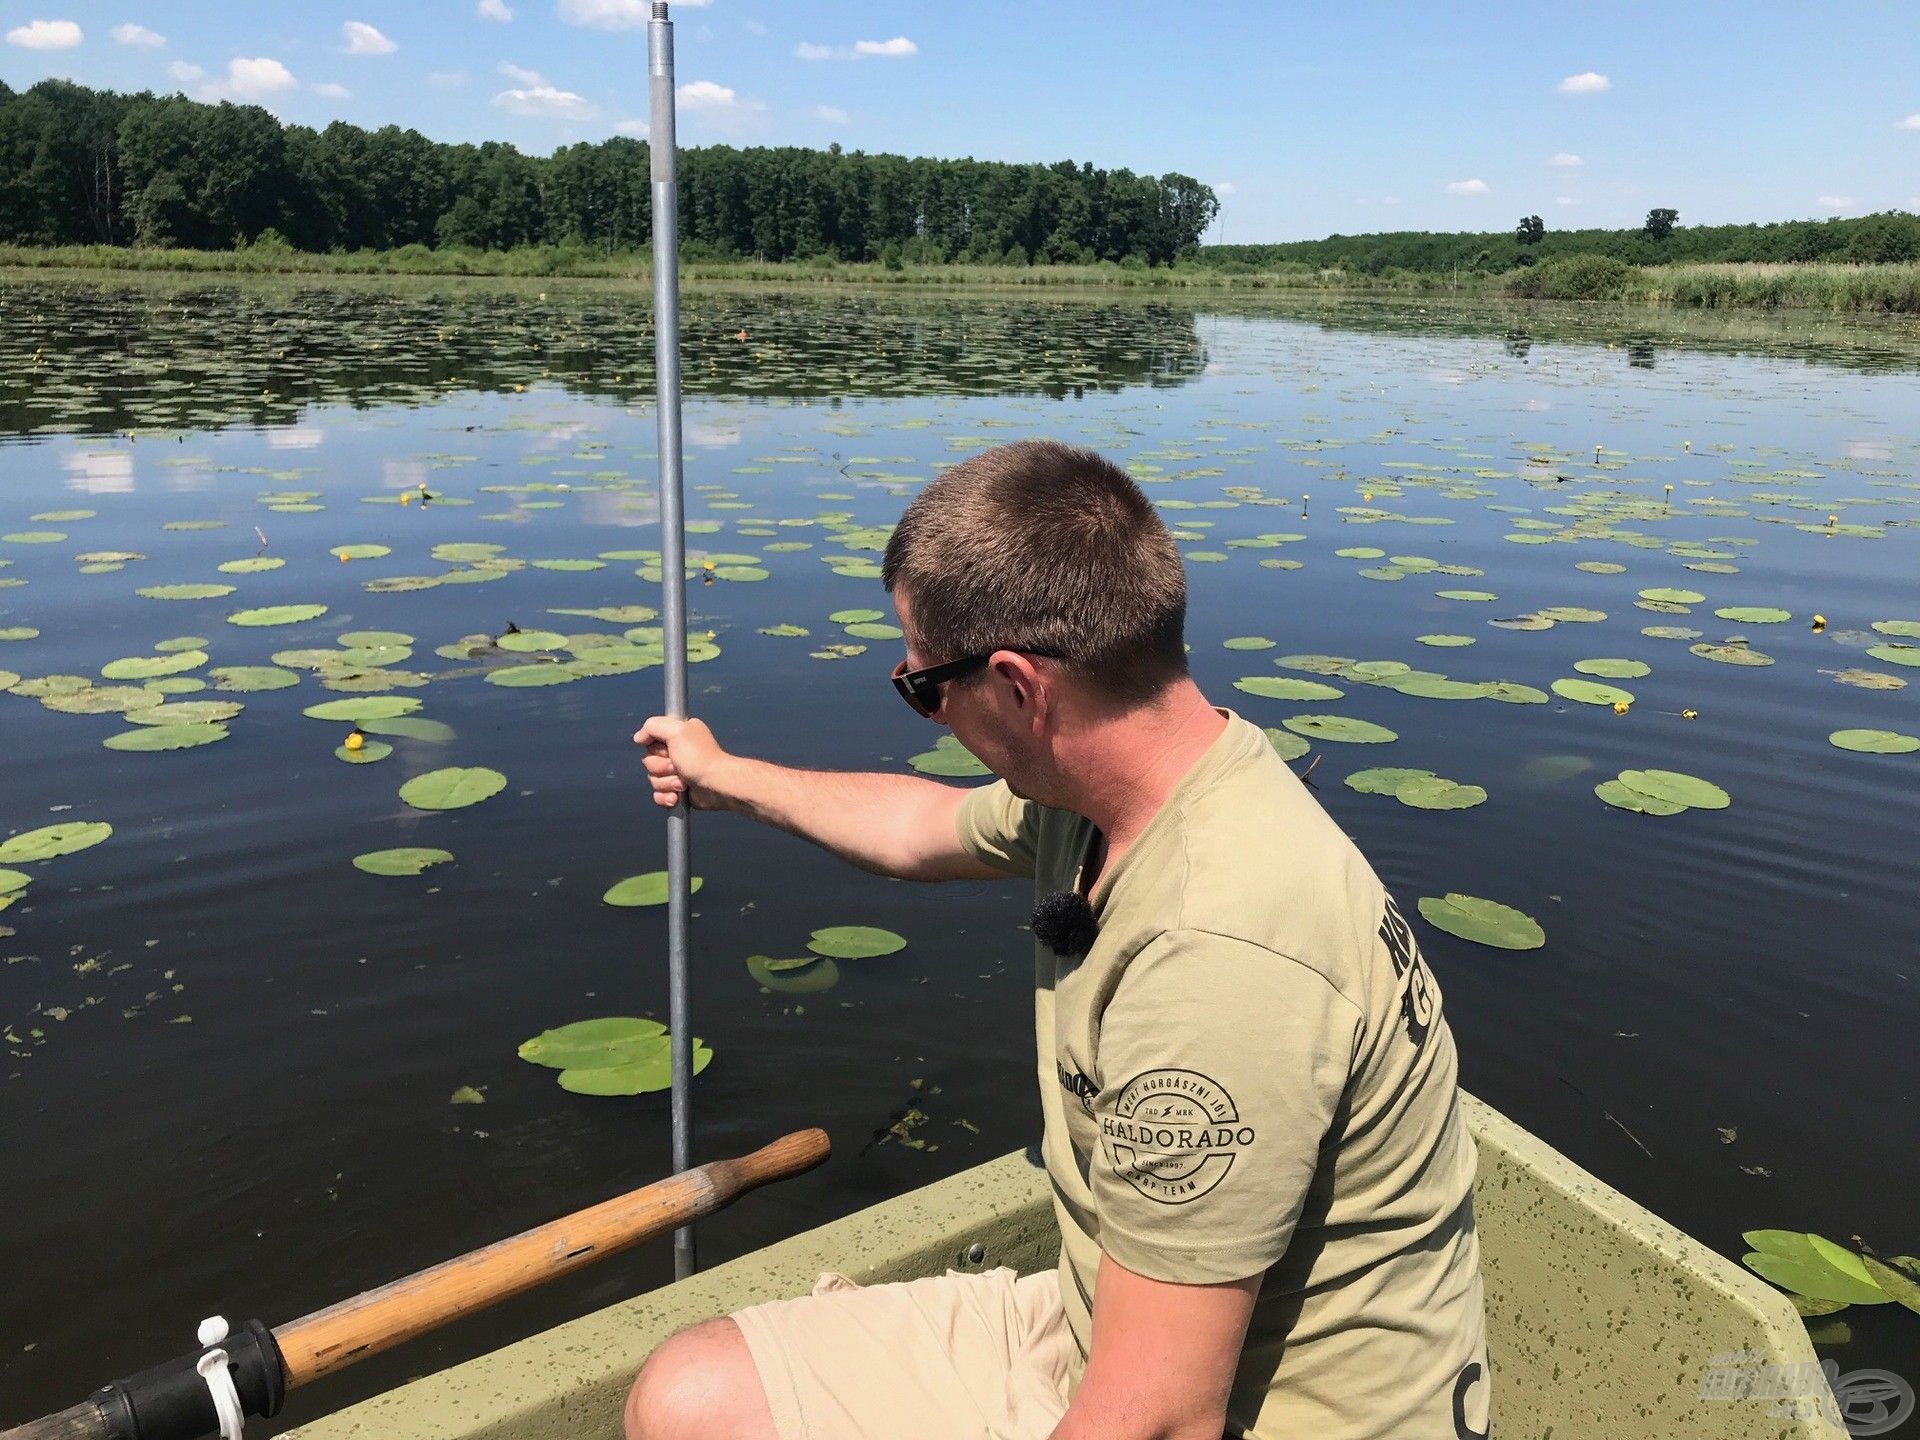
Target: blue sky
{"type": "Point", "coordinates": [1309, 119]}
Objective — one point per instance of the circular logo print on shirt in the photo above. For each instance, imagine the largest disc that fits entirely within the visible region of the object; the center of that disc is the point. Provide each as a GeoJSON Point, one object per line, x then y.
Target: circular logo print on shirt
{"type": "Point", "coordinates": [1173, 1135]}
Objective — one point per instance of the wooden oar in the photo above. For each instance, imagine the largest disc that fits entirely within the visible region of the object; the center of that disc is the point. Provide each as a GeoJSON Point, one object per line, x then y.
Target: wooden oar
{"type": "Point", "coordinates": [172, 1402]}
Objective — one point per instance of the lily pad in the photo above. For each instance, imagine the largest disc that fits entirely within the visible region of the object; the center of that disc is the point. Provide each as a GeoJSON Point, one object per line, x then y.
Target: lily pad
{"type": "Point", "coordinates": [855, 942]}
{"type": "Point", "coordinates": [277, 615]}
{"type": "Point", "coordinates": [369, 707]}
{"type": "Point", "coordinates": [1384, 779]}
{"type": "Point", "coordinates": [1621, 797]}
{"type": "Point", "coordinates": [1875, 742]}
{"type": "Point", "coordinates": [648, 889]}
{"type": "Point", "coordinates": [50, 841]}
{"type": "Point", "coordinates": [948, 758]}
{"type": "Point", "coordinates": [1896, 654]}
{"type": "Point", "coordinates": [1286, 745]}
{"type": "Point", "coordinates": [1592, 692]}
{"type": "Point", "coordinates": [369, 752]}
{"type": "Point", "coordinates": [1614, 669]}
{"type": "Point", "coordinates": [165, 737]}
{"type": "Point", "coordinates": [1733, 654]}
{"type": "Point", "coordinates": [1753, 614]}
{"type": "Point", "coordinates": [1445, 642]}
{"type": "Point", "coordinates": [529, 641]}
{"type": "Point", "coordinates": [184, 592]}
{"type": "Point", "coordinates": [1822, 1271]}
{"type": "Point", "coordinates": [412, 727]}
{"type": "Point", "coordinates": [647, 1074]}
{"type": "Point", "coordinates": [1485, 922]}
{"type": "Point", "coordinates": [1437, 793]}
{"type": "Point", "coordinates": [453, 788]}
{"type": "Point", "coordinates": [1286, 687]}
{"type": "Point", "coordinates": [406, 860]}
{"type": "Point", "coordinates": [1343, 728]}
{"type": "Point", "coordinates": [1667, 595]}
{"type": "Point", "coordinates": [246, 679]}
{"type": "Point", "coordinates": [1676, 788]}
{"type": "Point", "coordinates": [802, 975]}
{"type": "Point", "coordinates": [589, 1044]}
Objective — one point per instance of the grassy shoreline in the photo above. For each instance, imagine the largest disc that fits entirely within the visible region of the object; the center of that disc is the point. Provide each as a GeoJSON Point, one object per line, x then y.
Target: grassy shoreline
{"type": "Point", "coordinates": [1819, 286]}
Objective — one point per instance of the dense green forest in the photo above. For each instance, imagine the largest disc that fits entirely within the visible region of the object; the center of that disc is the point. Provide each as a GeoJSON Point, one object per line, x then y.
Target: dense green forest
{"type": "Point", "coordinates": [93, 167]}
{"type": "Point", "coordinates": [1889, 238]}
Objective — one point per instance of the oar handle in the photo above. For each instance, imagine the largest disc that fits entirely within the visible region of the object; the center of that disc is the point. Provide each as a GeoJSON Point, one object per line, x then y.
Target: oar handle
{"type": "Point", "coordinates": [333, 1338]}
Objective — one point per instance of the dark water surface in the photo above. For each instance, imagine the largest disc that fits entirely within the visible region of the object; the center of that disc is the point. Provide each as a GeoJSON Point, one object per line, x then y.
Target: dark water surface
{"type": "Point", "coordinates": [229, 1054]}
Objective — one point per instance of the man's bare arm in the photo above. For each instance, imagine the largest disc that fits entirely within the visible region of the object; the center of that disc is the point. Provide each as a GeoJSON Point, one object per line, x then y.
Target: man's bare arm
{"type": "Point", "coordinates": [898, 825]}
{"type": "Point", "coordinates": [1162, 1360]}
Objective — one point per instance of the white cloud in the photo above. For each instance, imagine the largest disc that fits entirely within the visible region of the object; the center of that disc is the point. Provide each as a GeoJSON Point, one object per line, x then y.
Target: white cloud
{"type": "Point", "coordinates": [138, 35]}
{"type": "Point", "coordinates": [634, 129]}
{"type": "Point", "coordinates": [1566, 160]}
{"type": "Point", "coordinates": [613, 14]}
{"type": "Point", "coordinates": [1587, 82]}
{"type": "Point", "coordinates": [546, 101]}
{"type": "Point", "coordinates": [706, 95]}
{"type": "Point", "coordinates": [363, 39]}
{"type": "Point", "coordinates": [186, 72]}
{"type": "Point", "coordinates": [330, 90]}
{"type": "Point", "coordinates": [1223, 187]}
{"type": "Point", "coordinates": [1835, 202]}
{"type": "Point", "coordinates": [1912, 122]}
{"type": "Point", "coordinates": [1565, 200]}
{"type": "Point", "coordinates": [256, 77]}
{"type": "Point", "coordinates": [446, 79]}
{"type": "Point", "coordinates": [832, 114]}
{"type": "Point", "coordinates": [45, 35]}
{"type": "Point", "coordinates": [497, 11]}
{"type": "Point", "coordinates": [897, 48]}
{"type": "Point", "coordinates": [1466, 187]}
{"type": "Point", "coordinates": [521, 75]}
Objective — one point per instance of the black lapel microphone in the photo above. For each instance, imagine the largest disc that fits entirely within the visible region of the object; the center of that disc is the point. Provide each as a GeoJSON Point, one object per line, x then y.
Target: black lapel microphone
{"type": "Point", "coordinates": [1064, 923]}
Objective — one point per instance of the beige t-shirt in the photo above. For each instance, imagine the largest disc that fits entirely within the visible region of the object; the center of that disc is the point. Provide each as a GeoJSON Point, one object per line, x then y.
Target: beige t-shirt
{"type": "Point", "coordinates": [1250, 1072]}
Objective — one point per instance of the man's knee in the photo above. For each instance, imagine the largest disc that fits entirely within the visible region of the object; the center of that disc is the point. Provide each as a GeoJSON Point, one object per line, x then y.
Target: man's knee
{"type": "Point", "coordinates": [698, 1384]}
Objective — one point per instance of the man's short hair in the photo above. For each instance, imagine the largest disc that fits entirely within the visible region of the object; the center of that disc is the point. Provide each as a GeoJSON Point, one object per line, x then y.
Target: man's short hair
{"type": "Point", "coordinates": [1042, 546]}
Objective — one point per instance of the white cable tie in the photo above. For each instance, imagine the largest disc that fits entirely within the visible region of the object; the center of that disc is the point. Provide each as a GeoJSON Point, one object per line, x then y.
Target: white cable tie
{"type": "Point", "coordinates": [213, 1368]}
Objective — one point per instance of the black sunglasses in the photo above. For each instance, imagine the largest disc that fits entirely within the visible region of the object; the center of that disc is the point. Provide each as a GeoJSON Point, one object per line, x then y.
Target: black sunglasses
{"type": "Point", "coordinates": [921, 688]}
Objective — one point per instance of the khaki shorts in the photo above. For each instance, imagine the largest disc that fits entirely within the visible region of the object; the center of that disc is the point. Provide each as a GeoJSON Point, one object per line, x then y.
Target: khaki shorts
{"type": "Point", "coordinates": [951, 1357]}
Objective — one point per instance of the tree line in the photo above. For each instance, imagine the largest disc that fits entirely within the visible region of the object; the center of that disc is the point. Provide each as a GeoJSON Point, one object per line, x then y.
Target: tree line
{"type": "Point", "coordinates": [1886, 238]}
{"type": "Point", "coordinates": [94, 167]}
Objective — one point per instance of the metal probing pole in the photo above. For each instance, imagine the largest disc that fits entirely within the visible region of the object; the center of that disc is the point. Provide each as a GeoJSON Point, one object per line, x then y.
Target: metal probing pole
{"type": "Point", "coordinates": [673, 565]}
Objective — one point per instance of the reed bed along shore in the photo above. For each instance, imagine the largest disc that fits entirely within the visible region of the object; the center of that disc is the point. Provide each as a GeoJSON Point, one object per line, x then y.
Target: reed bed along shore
{"type": "Point", "coordinates": [1813, 286]}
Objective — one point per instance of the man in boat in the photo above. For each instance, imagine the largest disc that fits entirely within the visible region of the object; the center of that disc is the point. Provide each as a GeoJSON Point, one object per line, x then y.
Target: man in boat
{"type": "Point", "coordinates": [1261, 1174]}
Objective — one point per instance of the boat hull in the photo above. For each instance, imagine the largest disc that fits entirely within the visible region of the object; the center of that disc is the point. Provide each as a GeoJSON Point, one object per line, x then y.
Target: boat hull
{"type": "Point", "coordinates": [1602, 1319]}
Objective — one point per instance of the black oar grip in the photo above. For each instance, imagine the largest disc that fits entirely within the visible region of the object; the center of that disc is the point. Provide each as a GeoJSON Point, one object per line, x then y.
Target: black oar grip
{"type": "Point", "coordinates": [172, 1402]}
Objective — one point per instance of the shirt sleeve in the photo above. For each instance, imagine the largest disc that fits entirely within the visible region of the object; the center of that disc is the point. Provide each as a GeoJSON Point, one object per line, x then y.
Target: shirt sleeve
{"type": "Point", "coordinates": [1222, 1067]}
{"type": "Point", "coordinates": [998, 828]}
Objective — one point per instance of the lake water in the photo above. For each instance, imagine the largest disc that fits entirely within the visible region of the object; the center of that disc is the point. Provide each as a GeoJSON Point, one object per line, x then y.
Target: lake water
{"type": "Point", "coordinates": [230, 1055]}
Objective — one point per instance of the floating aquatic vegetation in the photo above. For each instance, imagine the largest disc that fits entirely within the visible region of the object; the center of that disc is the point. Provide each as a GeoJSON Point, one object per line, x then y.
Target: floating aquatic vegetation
{"type": "Point", "coordinates": [185, 592]}
{"type": "Point", "coordinates": [1814, 1267]}
{"type": "Point", "coordinates": [1285, 687]}
{"type": "Point", "coordinates": [453, 788]}
{"type": "Point", "coordinates": [1611, 669]}
{"type": "Point", "coordinates": [277, 615]}
{"type": "Point", "coordinates": [1342, 728]}
{"type": "Point", "coordinates": [1286, 744]}
{"type": "Point", "coordinates": [51, 841]}
{"type": "Point", "coordinates": [801, 975]}
{"type": "Point", "coordinates": [1420, 789]}
{"type": "Point", "coordinates": [1732, 653]}
{"type": "Point", "coordinates": [166, 737]}
{"type": "Point", "coordinates": [1875, 742]}
{"type": "Point", "coordinates": [373, 707]}
{"type": "Point", "coordinates": [367, 752]}
{"type": "Point", "coordinates": [405, 860]}
{"type": "Point", "coordinates": [648, 889]}
{"type": "Point", "coordinates": [948, 758]}
{"type": "Point", "coordinates": [1661, 792]}
{"type": "Point", "coordinates": [854, 942]}
{"type": "Point", "coordinates": [615, 1055]}
{"type": "Point", "coordinates": [1592, 692]}
{"type": "Point", "coordinates": [1485, 922]}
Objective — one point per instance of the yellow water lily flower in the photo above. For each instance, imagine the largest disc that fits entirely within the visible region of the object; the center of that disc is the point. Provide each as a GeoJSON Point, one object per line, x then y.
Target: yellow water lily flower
{"type": "Point", "coordinates": [1689, 714]}
{"type": "Point", "coordinates": [1620, 707]}
{"type": "Point", "coordinates": [356, 740]}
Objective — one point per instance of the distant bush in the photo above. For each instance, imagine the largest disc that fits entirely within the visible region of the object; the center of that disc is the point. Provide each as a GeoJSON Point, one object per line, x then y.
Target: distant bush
{"type": "Point", "coordinates": [1575, 277]}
